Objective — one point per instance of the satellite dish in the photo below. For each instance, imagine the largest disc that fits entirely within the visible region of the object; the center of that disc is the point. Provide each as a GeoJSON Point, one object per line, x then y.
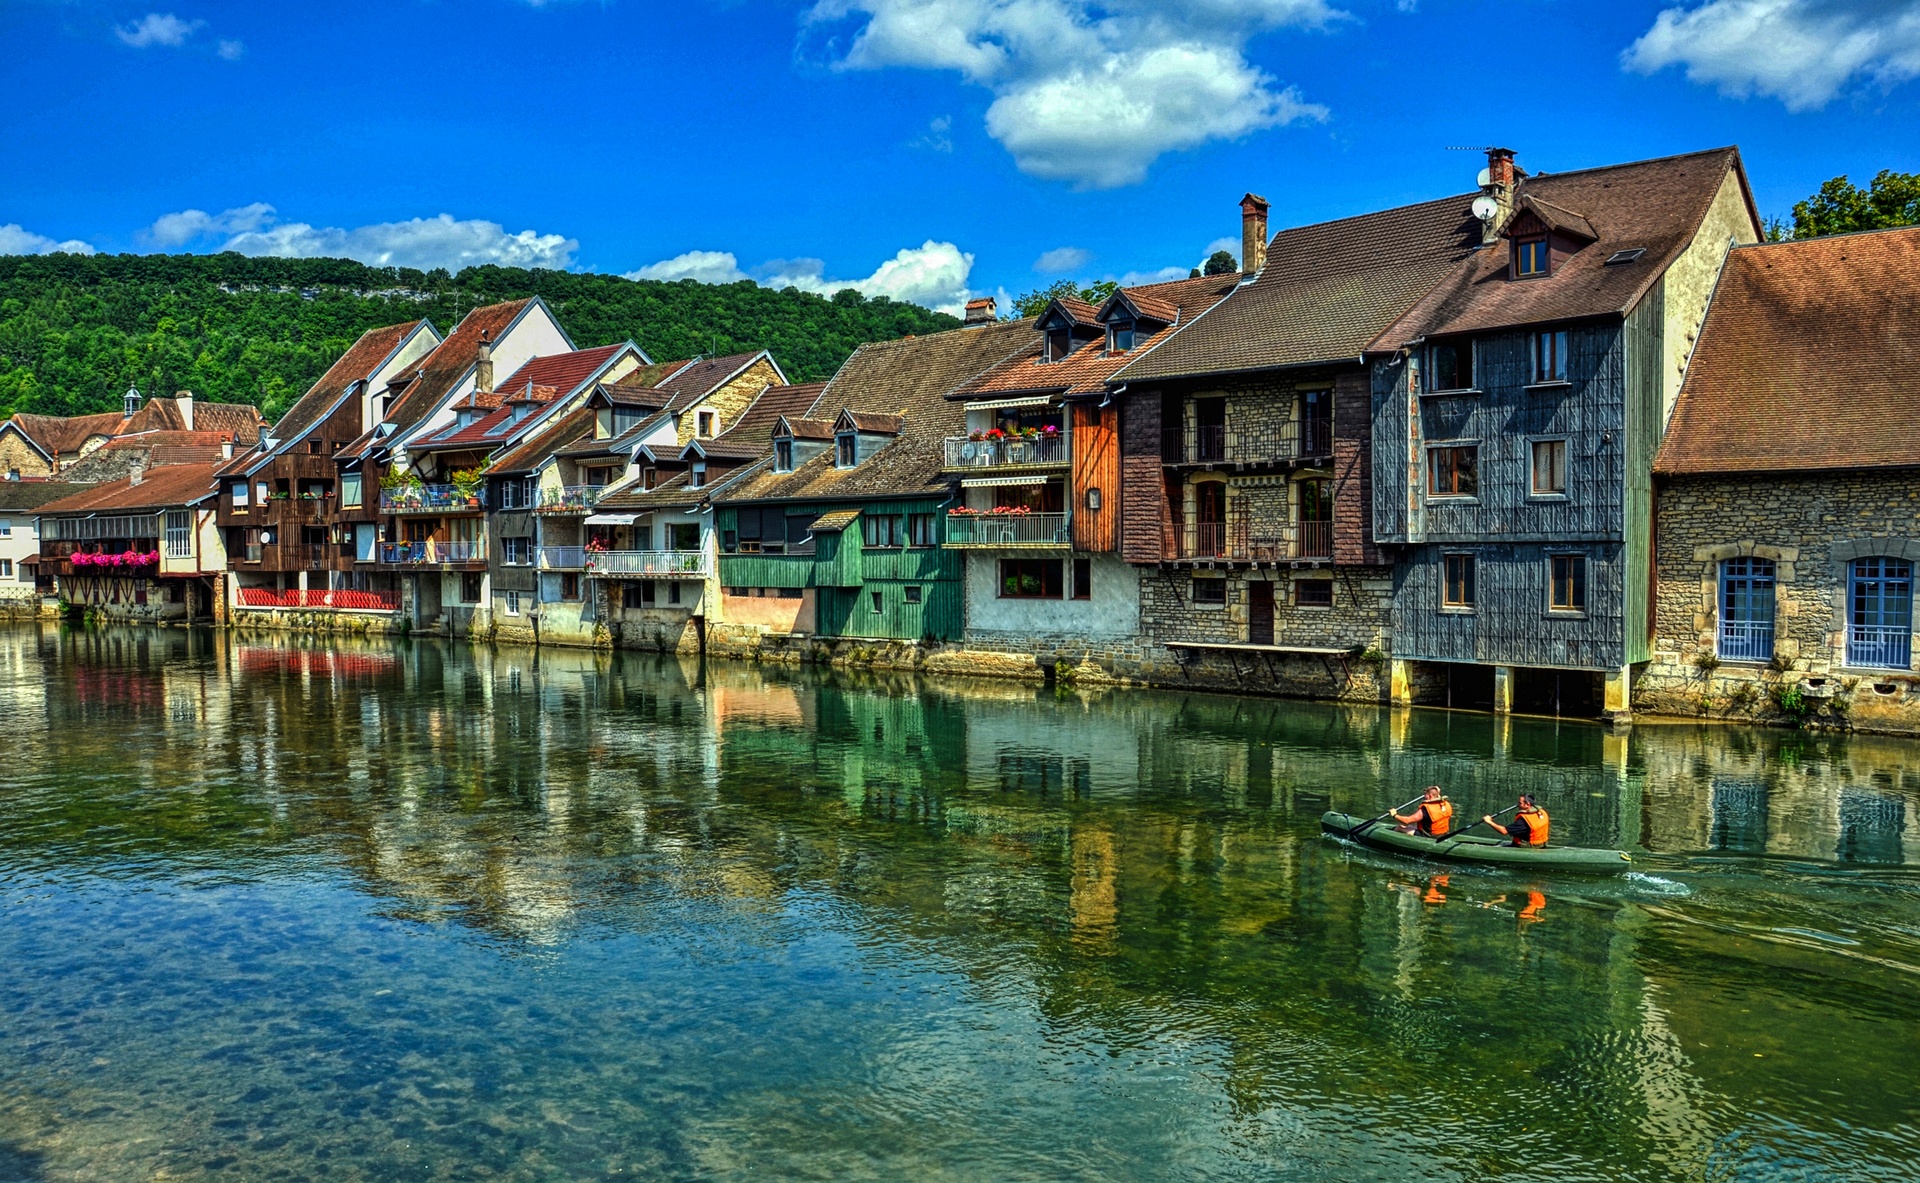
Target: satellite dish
{"type": "Point", "coordinates": [1485, 208]}
{"type": "Point", "coordinates": [968, 451]}
{"type": "Point", "coordinates": [266, 536]}
{"type": "Point", "coordinates": [1486, 178]}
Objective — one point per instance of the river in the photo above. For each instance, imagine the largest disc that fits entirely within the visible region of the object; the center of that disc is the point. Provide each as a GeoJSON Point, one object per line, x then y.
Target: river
{"type": "Point", "coordinates": [409, 910]}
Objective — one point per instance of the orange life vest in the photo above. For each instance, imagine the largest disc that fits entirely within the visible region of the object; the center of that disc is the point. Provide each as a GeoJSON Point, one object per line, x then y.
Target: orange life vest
{"type": "Point", "coordinates": [1436, 818]}
{"type": "Point", "coordinates": [1535, 820]}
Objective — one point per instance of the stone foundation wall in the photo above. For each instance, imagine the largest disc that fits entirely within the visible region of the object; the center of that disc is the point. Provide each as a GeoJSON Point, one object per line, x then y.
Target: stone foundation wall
{"type": "Point", "coordinates": [1811, 527]}
{"type": "Point", "coordinates": [317, 620]}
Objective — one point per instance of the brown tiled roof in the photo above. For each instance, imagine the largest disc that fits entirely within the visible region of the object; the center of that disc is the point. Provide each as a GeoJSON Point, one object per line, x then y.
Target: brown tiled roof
{"type": "Point", "coordinates": [652, 375]}
{"type": "Point", "coordinates": [160, 488]}
{"type": "Point", "coordinates": [440, 371]}
{"type": "Point", "coordinates": [721, 448]}
{"type": "Point", "coordinates": [1809, 359]}
{"type": "Point", "coordinates": [704, 375]}
{"type": "Point", "coordinates": [1164, 311]}
{"type": "Point", "coordinates": [357, 364]}
{"type": "Point", "coordinates": [1657, 205]}
{"type": "Point", "coordinates": [909, 377]}
{"type": "Point", "coordinates": [673, 492]}
{"type": "Point", "coordinates": [533, 451]}
{"type": "Point", "coordinates": [565, 372]}
{"type": "Point", "coordinates": [240, 420]}
{"type": "Point", "coordinates": [1558, 218]}
{"type": "Point", "coordinates": [56, 434]}
{"type": "Point", "coordinates": [1079, 311]}
{"type": "Point", "coordinates": [1326, 291]}
{"type": "Point", "coordinates": [755, 425]}
{"type": "Point", "coordinates": [867, 421]}
{"type": "Point", "coordinates": [804, 428]}
{"type": "Point", "coordinates": [16, 495]}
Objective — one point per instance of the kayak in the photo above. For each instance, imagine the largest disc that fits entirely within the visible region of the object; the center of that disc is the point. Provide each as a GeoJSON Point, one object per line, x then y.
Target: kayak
{"type": "Point", "coordinates": [1476, 848]}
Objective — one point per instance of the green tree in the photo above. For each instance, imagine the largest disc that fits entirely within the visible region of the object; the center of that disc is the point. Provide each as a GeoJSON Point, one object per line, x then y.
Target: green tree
{"type": "Point", "coordinates": [1035, 302]}
{"type": "Point", "coordinates": [1840, 207]}
{"type": "Point", "coordinates": [1220, 263]}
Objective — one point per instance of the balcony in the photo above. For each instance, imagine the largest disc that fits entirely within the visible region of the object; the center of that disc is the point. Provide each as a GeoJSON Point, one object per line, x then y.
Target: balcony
{"type": "Point", "coordinates": [343, 599]}
{"type": "Point", "coordinates": [563, 558]}
{"type": "Point", "coordinates": [568, 499]}
{"type": "Point", "coordinates": [1746, 640]}
{"type": "Point", "coordinates": [1266, 443]}
{"type": "Point", "coordinates": [1253, 542]}
{"type": "Point", "coordinates": [966, 454]}
{"type": "Point", "coordinates": [431, 499]}
{"type": "Point", "coordinates": [1880, 647]}
{"type": "Point", "coordinates": [1002, 531]}
{"type": "Point", "coordinates": [649, 564]}
{"type": "Point", "coordinates": [432, 554]}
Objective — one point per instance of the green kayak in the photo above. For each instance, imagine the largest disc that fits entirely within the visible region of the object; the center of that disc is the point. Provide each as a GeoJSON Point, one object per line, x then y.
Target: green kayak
{"type": "Point", "coordinates": [1473, 848]}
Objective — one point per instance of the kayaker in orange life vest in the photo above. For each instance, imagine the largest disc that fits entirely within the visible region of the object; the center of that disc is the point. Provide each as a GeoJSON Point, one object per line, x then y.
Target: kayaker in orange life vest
{"type": "Point", "coordinates": [1432, 818]}
{"type": "Point", "coordinates": [1529, 825]}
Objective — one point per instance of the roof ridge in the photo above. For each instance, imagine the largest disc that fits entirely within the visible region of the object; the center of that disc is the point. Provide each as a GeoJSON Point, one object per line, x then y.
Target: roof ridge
{"type": "Point", "coordinates": [1599, 168]}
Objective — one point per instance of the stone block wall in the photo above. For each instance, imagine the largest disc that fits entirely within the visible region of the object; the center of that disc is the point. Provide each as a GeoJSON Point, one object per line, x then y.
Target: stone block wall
{"type": "Point", "coordinates": [1812, 526]}
{"type": "Point", "coordinates": [17, 456]}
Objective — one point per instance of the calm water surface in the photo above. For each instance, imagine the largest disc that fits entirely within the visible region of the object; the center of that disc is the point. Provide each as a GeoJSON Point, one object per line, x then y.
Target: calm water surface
{"type": "Point", "coordinates": [413, 911]}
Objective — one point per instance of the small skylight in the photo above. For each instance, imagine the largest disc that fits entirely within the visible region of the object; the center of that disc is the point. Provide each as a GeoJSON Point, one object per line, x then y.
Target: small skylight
{"type": "Point", "coordinates": [1626, 256]}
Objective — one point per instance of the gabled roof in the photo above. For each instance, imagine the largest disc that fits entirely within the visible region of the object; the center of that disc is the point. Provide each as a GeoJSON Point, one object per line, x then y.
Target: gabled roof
{"type": "Point", "coordinates": [803, 428]}
{"type": "Point", "coordinates": [1555, 217]}
{"type": "Point", "coordinates": [238, 420]}
{"type": "Point", "coordinates": [432, 378]}
{"type": "Point", "coordinates": [867, 422]}
{"type": "Point", "coordinates": [16, 429]}
{"type": "Point", "coordinates": [160, 488]}
{"type": "Point", "coordinates": [565, 372]}
{"type": "Point", "coordinates": [704, 375]}
{"type": "Point", "coordinates": [1325, 292]}
{"type": "Point", "coordinates": [757, 424]}
{"type": "Point", "coordinates": [536, 449]}
{"type": "Point", "coordinates": [1075, 312]}
{"type": "Point", "coordinates": [61, 434]}
{"type": "Point", "coordinates": [358, 364]}
{"type": "Point", "coordinates": [1655, 205]}
{"type": "Point", "coordinates": [1140, 305]}
{"type": "Point", "coordinates": [1809, 360]}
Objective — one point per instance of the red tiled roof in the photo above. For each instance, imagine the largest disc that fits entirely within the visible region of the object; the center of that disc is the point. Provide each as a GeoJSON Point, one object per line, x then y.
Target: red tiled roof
{"type": "Point", "coordinates": [57, 434]}
{"type": "Point", "coordinates": [437, 373]}
{"type": "Point", "coordinates": [565, 372]}
{"type": "Point", "coordinates": [1809, 359]}
{"type": "Point", "coordinates": [159, 488]}
{"type": "Point", "coordinates": [532, 451]}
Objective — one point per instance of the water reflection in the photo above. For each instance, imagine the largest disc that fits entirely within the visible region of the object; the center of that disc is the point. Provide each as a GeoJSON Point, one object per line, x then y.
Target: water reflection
{"type": "Point", "coordinates": [558, 914]}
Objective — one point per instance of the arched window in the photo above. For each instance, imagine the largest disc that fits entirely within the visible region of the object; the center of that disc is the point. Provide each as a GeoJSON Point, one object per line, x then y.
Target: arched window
{"type": "Point", "coordinates": [1746, 609]}
{"type": "Point", "coordinates": [1880, 614]}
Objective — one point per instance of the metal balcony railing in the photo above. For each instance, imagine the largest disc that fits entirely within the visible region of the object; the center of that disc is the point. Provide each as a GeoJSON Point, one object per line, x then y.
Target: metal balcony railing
{"type": "Point", "coordinates": [563, 558]}
{"type": "Point", "coordinates": [432, 553]}
{"type": "Point", "coordinates": [568, 499]}
{"type": "Point", "coordinates": [966, 452]}
{"type": "Point", "coordinates": [431, 499]}
{"type": "Point", "coordinates": [1880, 646]}
{"type": "Point", "coordinates": [1250, 541]}
{"type": "Point", "coordinates": [1264, 443]}
{"type": "Point", "coordinates": [997, 530]}
{"type": "Point", "coordinates": [649, 564]}
{"type": "Point", "coordinates": [1746, 640]}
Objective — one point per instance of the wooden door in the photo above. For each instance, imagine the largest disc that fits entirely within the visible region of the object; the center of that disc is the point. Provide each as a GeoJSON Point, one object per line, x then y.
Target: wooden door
{"type": "Point", "coordinates": [1259, 613]}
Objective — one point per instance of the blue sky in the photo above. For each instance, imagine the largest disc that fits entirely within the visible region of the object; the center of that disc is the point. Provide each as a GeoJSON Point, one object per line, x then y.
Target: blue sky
{"type": "Point", "coordinates": [925, 149]}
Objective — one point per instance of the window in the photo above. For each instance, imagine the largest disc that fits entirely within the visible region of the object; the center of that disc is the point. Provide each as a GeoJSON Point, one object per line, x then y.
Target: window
{"type": "Point", "coordinates": [516, 552]}
{"type": "Point", "coordinates": [6, 568]}
{"type": "Point", "coordinates": [1453, 471]}
{"type": "Point", "coordinates": [260, 492]}
{"type": "Point", "coordinates": [179, 533]}
{"type": "Point", "coordinates": [920, 530]}
{"type": "Point", "coordinates": [513, 603]}
{"type": "Point", "coordinates": [846, 450]}
{"type": "Point", "coordinates": [1059, 344]}
{"type": "Point", "coordinates": [1030, 579]}
{"type": "Point", "coordinates": [1457, 588]}
{"type": "Point", "coordinates": [880, 531]}
{"type": "Point", "coordinates": [636, 595]}
{"type": "Point", "coordinates": [705, 428]}
{"type": "Point", "coordinates": [698, 478]}
{"type": "Point", "coordinates": [350, 490]}
{"type": "Point", "coordinates": [1746, 610]}
{"type": "Point", "coordinates": [1569, 583]}
{"type": "Point", "coordinates": [1550, 357]}
{"type": "Point", "coordinates": [673, 593]}
{"type": "Point", "coordinates": [1530, 257]}
{"type": "Point", "coordinates": [1083, 579]}
{"type": "Point", "coordinates": [1093, 499]}
{"type": "Point", "coordinates": [1209, 591]}
{"type": "Point", "coordinates": [874, 597]}
{"type": "Point", "coordinates": [1313, 593]}
{"type": "Point", "coordinates": [570, 586]}
{"type": "Point", "coordinates": [912, 595]}
{"type": "Point", "coordinates": [1120, 336]}
{"type": "Point", "coordinates": [1449, 366]}
{"type": "Point", "coordinates": [1880, 614]}
{"type": "Point", "coordinates": [783, 455]}
{"type": "Point", "coordinates": [1549, 468]}
{"type": "Point", "coordinates": [683, 536]}
{"type": "Point", "coordinates": [6, 527]}
{"type": "Point", "coordinates": [237, 494]}
{"type": "Point", "coordinates": [470, 587]}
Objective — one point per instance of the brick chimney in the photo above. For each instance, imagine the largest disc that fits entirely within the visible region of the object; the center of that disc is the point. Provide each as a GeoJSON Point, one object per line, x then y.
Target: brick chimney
{"type": "Point", "coordinates": [483, 364]}
{"type": "Point", "coordinates": [1502, 179]}
{"type": "Point", "coordinates": [980, 312]}
{"type": "Point", "coordinates": [1253, 233]}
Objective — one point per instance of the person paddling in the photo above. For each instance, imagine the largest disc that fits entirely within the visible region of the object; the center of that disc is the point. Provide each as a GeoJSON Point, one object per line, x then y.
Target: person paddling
{"type": "Point", "coordinates": [1432, 818]}
{"type": "Point", "coordinates": [1529, 825]}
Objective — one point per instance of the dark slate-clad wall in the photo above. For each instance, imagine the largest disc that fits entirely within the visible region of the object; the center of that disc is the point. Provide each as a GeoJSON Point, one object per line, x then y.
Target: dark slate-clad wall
{"type": "Point", "coordinates": [1510, 624]}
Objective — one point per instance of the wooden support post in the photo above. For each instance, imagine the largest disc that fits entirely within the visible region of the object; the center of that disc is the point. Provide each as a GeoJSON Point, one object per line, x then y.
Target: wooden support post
{"type": "Point", "coordinates": [1502, 689]}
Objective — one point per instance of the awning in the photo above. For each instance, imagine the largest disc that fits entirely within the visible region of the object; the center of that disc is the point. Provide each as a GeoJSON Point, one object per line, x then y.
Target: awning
{"type": "Point", "coordinates": [1008, 404]}
{"type": "Point", "coordinates": [611, 519]}
{"type": "Point", "coordinates": [30, 561]}
{"type": "Point", "coordinates": [996, 482]}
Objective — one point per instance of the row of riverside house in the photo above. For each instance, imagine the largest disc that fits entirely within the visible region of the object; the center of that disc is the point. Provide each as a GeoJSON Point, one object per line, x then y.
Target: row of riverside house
{"type": "Point", "coordinates": [1568, 443]}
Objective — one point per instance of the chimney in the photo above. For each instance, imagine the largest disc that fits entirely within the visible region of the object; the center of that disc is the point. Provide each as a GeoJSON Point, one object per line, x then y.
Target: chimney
{"type": "Point", "coordinates": [136, 472]}
{"type": "Point", "coordinates": [1253, 233]}
{"type": "Point", "coordinates": [1500, 184]}
{"type": "Point", "coordinates": [184, 400]}
{"type": "Point", "coordinates": [980, 312]}
{"type": "Point", "coordinates": [226, 449]}
{"type": "Point", "coordinates": [483, 364]}
{"type": "Point", "coordinates": [261, 440]}
{"type": "Point", "coordinates": [132, 401]}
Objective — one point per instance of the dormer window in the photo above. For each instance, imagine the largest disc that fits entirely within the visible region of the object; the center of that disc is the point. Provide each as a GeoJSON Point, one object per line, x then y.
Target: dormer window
{"type": "Point", "coordinates": [698, 478]}
{"type": "Point", "coordinates": [846, 450]}
{"type": "Point", "coordinates": [1530, 257]}
{"type": "Point", "coordinates": [1059, 343]}
{"type": "Point", "coordinates": [783, 455]}
{"type": "Point", "coordinates": [1119, 336]}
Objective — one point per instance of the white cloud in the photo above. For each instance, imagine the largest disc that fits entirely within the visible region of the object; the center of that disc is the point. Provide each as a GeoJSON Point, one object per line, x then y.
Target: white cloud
{"type": "Point", "coordinates": [1084, 92]}
{"type": "Point", "coordinates": [158, 28]}
{"type": "Point", "coordinates": [231, 51]}
{"type": "Point", "coordinates": [440, 241]}
{"type": "Point", "coordinates": [1134, 279]}
{"type": "Point", "coordinates": [15, 240]}
{"type": "Point", "coordinates": [1802, 52]}
{"type": "Point", "coordinates": [1062, 260]}
{"type": "Point", "coordinates": [705, 266]}
{"type": "Point", "coordinates": [933, 274]}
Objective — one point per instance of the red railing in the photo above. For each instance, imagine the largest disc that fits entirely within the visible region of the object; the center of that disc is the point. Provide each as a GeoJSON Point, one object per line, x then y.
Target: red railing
{"type": "Point", "coordinates": [360, 601]}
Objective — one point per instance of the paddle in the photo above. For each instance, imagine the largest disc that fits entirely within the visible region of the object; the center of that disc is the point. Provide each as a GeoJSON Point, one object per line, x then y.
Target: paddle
{"type": "Point", "coordinates": [1355, 832]}
{"type": "Point", "coordinates": [1451, 835]}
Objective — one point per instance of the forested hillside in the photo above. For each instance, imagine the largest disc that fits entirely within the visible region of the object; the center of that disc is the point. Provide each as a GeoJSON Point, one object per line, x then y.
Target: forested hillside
{"type": "Point", "coordinates": [76, 330]}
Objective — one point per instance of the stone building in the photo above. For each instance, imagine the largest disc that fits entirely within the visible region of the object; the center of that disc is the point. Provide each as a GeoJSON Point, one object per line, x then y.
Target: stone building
{"type": "Point", "coordinates": [143, 548]}
{"type": "Point", "coordinates": [1789, 492]}
{"type": "Point", "coordinates": [43, 445]}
